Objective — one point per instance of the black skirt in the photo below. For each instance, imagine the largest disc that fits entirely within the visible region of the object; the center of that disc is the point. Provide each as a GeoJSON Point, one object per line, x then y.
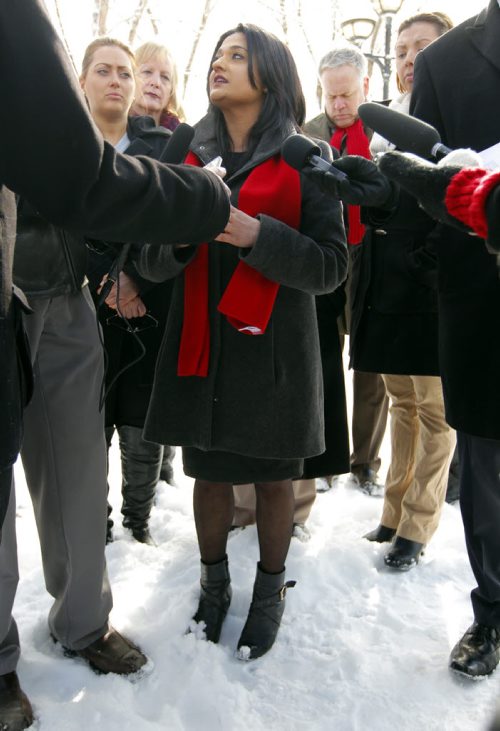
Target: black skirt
{"type": "Point", "coordinates": [237, 469]}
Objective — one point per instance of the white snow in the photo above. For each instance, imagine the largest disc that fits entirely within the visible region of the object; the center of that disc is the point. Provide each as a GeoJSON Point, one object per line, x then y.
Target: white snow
{"type": "Point", "coordinates": [360, 647]}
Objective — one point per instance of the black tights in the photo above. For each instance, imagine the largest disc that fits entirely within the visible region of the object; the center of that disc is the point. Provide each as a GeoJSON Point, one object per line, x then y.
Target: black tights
{"type": "Point", "coordinates": [213, 514]}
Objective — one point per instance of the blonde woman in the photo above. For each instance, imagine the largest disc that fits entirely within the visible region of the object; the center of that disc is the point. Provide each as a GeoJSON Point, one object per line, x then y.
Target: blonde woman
{"type": "Point", "coordinates": [156, 94]}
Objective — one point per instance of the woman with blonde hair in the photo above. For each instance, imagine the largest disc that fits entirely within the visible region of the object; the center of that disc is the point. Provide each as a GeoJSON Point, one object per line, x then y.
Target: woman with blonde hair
{"type": "Point", "coordinates": [156, 94]}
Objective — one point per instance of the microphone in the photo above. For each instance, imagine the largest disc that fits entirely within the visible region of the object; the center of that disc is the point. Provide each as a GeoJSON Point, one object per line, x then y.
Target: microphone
{"type": "Point", "coordinates": [300, 152]}
{"type": "Point", "coordinates": [173, 153]}
{"type": "Point", "coordinates": [409, 134]}
{"type": "Point", "coordinates": [177, 146]}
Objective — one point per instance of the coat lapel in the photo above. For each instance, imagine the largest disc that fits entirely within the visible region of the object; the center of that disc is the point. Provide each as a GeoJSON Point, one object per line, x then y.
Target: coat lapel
{"type": "Point", "coordinates": [485, 33]}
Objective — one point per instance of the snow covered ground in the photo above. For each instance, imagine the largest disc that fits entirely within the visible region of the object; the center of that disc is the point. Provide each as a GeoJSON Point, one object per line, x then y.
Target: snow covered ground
{"type": "Point", "coordinates": [360, 647]}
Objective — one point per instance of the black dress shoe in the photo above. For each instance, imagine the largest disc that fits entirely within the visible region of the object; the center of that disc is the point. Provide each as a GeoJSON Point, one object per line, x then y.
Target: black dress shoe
{"type": "Point", "coordinates": [15, 709]}
{"type": "Point", "coordinates": [111, 653]}
{"type": "Point", "coordinates": [381, 534]}
{"type": "Point", "coordinates": [404, 554]}
{"type": "Point", "coordinates": [477, 654]}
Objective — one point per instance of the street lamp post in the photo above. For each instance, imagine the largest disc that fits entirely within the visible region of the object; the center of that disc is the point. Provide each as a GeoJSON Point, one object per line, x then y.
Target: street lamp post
{"type": "Point", "coordinates": [358, 30]}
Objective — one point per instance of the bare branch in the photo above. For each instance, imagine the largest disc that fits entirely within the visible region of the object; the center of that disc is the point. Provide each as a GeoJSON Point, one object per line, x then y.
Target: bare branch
{"type": "Point", "coordinates": [283, 19]}
{"type": "Point", "coordinates": [63, 34]}
{"type": "Point", "coordinates": [209, 6]}
{"type": "Point", "coordinates": [153, 21]}
{"type": "Point", "coordinates": [136, 19]}
{"type": "Point", "coordinates": [300, 21]}
{"type": "Point", "coordinates": [100, 17]}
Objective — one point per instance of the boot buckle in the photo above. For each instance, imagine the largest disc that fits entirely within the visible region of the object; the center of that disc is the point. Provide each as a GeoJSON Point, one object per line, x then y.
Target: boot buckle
{"type": "Point", "coordinates": [286, 585]}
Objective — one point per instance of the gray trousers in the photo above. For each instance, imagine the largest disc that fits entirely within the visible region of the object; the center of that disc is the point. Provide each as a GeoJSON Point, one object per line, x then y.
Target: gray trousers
{"type": "Point", "coordinates": [64, 459]}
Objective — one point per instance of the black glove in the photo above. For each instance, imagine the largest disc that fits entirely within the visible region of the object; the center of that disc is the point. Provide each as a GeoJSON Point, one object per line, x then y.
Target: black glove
{"type": "Point", "coordinates": [424, 181]}
{"type": "Point", "coordinates": [364, 186]}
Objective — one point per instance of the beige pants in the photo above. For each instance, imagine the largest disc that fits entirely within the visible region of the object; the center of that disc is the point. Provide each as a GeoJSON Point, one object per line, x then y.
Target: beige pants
{"type": "Point", "coordinates": [422, 445]}
{"type": "Point", "coordinates": [304, 492]}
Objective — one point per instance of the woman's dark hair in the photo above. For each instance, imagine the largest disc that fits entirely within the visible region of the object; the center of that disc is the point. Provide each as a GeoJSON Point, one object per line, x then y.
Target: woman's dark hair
{"type": "Point", "coordinates": [441, 22]}
{"type": "Point", "coordinates": [272, 61]}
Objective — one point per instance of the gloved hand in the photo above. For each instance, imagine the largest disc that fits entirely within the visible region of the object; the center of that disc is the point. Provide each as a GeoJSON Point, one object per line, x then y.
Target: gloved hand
{"type": "Point", "coordinates": [424, 180]}
{"type": "Point", "coordinates": [364, 185]}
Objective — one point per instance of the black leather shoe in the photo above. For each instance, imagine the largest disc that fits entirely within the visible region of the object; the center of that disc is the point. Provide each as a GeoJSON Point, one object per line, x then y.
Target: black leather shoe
{"type": "Point", "coordinates": [215, 598]}
{"type": "Point", "coordinates": [477, 654]}
{"type": "Point", "coordinates": [404, 554]}
{"type": "Point", "coordinates": [15, 709]}
{"type": "Point", "coordinates": [112, 653]}
{"type": "Point", "coordinates": [381, 534]}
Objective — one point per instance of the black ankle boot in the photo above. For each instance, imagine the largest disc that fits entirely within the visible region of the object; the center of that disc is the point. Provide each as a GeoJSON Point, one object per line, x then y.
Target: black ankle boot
{"type": "Point", "coordinates": [381, 534]}
{"type": "Point", "coordinates": [404, 554]}
{"type": "Point", "coordinates": [215, 598]}
{"type": "Point", "coordinates": [264, 616]}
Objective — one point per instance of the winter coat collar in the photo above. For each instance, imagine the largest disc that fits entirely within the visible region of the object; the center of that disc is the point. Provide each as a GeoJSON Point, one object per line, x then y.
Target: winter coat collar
{"type": "Point", "coordinates": [205, 146]}
{"type": "Point", "coordinates": [484, 32]}
{"type": "Point", "coordinates": [139, 129]}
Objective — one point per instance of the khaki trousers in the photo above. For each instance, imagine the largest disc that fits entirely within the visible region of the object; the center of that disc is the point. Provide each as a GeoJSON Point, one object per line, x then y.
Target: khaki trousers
{"type": "Point", "coordinates": [422, 445]}
{"type": "Point", "coordinates": [304, 492]}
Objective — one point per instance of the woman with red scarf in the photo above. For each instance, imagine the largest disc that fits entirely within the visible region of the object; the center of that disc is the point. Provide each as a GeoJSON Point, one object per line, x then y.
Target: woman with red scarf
{"type": "Point", "coordinates": [238, 381]}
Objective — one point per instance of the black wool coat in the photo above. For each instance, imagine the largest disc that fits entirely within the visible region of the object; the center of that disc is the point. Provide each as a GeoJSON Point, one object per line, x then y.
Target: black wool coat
{"type": "Point", "coordinates": [457, 79]}
{"type": "Point", "coordinates": [394, 320]}
{"type": "Point", "coordinates": [73, 179]}
{"type": "Point", "coordinates": [263, 396]}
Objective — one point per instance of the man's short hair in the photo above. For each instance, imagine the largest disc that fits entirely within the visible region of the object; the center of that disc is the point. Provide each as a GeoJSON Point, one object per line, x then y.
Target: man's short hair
{"type": "Point", "coordinates": [344, 56]}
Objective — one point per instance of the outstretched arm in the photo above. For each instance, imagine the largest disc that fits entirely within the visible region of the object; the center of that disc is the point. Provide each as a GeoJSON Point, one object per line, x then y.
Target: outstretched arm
{"type": "Point", "coordinates": [52, 154]}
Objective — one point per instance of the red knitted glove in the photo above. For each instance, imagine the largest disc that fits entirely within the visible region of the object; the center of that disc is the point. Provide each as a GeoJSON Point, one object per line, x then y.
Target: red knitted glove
{"type": "Point", "coordinates": [466, 197]}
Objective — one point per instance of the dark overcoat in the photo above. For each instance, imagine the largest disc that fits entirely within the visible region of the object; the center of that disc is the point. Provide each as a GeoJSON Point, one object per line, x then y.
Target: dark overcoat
{"type": "Point", "coordinates": [56, 159]}
{"type": "Point", "coordinates": [263, 396]}
{"type": "Point", "coordinates": [457, 80]}
{"type": "Point", "coordinates": [394, 320]}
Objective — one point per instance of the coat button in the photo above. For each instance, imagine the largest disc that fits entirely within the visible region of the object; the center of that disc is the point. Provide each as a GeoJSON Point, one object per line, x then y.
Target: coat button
{"type": "Point", "coordinates": [216, 399]}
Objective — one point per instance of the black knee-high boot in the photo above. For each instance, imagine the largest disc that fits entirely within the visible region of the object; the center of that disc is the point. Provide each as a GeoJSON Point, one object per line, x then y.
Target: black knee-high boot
{"type": "Point", "coordinates": [215, 597]}
{"type": "Point", "coordinates": [264, 616]}
{"type": "Point", "coordinates": [141, 463]}
{"type": "Point", "coordinates": [167, 468]}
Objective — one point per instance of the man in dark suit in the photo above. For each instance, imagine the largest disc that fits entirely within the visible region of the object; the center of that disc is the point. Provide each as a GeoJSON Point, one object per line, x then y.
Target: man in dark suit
{"type": "Point", "coordinates": [52, 155]}
{"type": "Point", "coordinates": [457, 79]}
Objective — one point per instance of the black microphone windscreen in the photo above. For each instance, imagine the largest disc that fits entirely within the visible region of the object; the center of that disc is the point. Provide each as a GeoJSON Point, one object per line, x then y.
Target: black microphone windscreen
{"type": "Point", "coordinates": [177, 147]}
{"type": "Point", "coordinates": [297, 150]}
{"type": "Point", "coordinates": [409, 134]}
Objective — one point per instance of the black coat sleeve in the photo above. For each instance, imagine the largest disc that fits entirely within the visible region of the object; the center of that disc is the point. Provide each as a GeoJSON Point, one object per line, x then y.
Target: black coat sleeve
{"type": "Point", "coordinates": [53, 156]}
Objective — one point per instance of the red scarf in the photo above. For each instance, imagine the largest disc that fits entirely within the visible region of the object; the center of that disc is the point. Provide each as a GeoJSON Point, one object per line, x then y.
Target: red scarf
{"type": "Point", "coordinates": [272, 188]}
{"type": "Point", "coordinates": [357, 144]}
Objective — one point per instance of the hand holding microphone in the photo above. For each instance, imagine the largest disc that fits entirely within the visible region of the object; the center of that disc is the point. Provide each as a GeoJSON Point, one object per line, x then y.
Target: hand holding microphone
{"type": "Point", "coordinates": [353, 179]}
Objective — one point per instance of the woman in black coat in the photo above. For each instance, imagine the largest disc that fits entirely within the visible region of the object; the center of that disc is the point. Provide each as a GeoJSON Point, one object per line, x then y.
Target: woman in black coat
{"type": "Point", "coordinates": [131, 345]}
{"type": "Point", "coordinates": [238, 381]}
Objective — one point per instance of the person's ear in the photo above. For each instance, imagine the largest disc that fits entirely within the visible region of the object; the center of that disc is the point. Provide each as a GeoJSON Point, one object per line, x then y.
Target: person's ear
{"type": "Point", "coordinates": [366, 86]}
